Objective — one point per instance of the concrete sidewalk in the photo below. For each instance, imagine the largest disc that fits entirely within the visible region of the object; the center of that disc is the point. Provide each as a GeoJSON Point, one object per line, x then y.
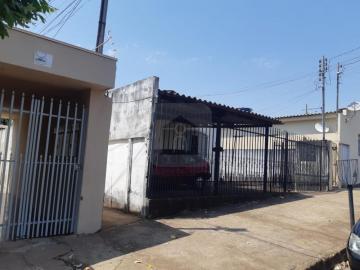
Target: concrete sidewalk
{"type": "Point", "coordinates": [280, 233]}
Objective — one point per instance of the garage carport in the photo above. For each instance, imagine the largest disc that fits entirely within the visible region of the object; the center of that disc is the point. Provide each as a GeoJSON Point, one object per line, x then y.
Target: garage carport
{"type": "Point", "coordinates": [169, 152]}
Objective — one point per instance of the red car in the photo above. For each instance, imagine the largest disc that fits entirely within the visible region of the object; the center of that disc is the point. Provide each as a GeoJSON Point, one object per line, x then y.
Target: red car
{"type": "Point", "coordinates": [180, 168]}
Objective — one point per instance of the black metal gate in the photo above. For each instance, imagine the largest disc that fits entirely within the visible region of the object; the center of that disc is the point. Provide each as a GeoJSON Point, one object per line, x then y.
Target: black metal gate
{"type": "Point", "coordinates": [202, 160]}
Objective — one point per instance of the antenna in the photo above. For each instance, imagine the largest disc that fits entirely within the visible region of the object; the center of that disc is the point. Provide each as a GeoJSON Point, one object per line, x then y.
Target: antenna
{"type": "Point", "coordinates": [319, 128]}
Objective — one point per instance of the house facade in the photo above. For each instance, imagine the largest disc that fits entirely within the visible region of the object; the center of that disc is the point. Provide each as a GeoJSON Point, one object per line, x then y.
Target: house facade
{"type": "Point", "coordinates": [54, 131]}
{"type": "Point", "coordinates": [342, 129]}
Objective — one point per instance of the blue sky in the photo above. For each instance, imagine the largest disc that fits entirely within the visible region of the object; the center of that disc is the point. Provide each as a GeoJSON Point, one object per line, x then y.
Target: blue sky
{"type": "Point", "coordinates": [228, 51]}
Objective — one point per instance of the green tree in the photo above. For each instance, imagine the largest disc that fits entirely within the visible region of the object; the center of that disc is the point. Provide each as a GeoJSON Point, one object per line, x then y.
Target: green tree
{"type": "Point", "coordinates": [21, 12]}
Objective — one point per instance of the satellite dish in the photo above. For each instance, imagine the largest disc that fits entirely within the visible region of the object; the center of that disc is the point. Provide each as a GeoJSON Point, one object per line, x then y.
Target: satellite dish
{"type": "Point", "coordinates": [354, 106]}
{"type": "Point", "coordinates": [319, 128]}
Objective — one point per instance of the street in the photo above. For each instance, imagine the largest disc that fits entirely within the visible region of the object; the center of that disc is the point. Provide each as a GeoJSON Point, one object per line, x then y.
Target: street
{"type": "Point", "coordinates": [292, 232]}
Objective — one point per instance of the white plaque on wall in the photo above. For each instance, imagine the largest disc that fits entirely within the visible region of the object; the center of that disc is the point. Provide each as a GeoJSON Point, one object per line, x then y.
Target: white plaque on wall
{"type": "Point", "coordinates": [43, 59]}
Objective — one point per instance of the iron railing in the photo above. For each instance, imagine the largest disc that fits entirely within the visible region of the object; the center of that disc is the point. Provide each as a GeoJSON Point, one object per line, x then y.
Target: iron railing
{"type": "Point", "coordinates": [217, 159]}
{"type": "Point", "coordinates": [348, 171]}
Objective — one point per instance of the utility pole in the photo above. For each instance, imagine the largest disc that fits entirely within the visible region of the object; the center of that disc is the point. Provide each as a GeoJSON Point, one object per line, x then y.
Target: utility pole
{"type": "Point", "coordinates": [323, 68]}
{"type": "Point", "coordinates": [338, 77]}
{"type": "Point", "coordinates": [102, 25]}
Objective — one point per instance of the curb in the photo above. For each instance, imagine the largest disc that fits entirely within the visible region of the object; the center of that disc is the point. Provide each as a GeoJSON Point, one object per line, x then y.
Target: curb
{"type": "Point", "coordinates": [330, 262]}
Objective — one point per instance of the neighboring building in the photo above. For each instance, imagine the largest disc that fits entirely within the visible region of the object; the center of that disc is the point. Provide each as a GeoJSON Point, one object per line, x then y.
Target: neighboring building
{"type": "Point", "coordinates": [55, 120]}
{"type": "Point", "coordinates": [342, 129]}
{"type": "Point", "coordinates": [168, 152]}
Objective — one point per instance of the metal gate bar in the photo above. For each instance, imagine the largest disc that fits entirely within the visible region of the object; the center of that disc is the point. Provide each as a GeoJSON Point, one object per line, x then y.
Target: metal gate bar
{"type": "Point", "coordinates": [238, 159]}
{"type": "Point", "coordinates": [40, 161]}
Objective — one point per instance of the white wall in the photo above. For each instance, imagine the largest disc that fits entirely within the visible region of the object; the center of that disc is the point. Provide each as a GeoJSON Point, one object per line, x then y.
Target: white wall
{"type": "Point", "coordinates": [128, 150]}
{"type": "Point", "coordinates": [306, 126]}
{"type": "Point", "coordinates": [138, 172]}
{"type": "Point", "coordinates": [349, 123]}
{"type": "Point", "coordinates": [116, 174]}
{"type": "Point", "coordinates": [344, 129]}
{"type": "Point", "coordinates": [125, 179]}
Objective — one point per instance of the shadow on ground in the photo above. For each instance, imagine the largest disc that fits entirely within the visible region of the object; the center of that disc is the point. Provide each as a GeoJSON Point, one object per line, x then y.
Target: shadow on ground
{"type": "Point", "coordinates": [121, 234]}
{"type": "Point", "coordinates": [245, 205]}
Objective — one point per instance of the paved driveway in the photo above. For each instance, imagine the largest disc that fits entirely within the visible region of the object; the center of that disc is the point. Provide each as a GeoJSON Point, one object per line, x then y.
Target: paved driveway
{"type": "Point", "coordinates": [280, 233]}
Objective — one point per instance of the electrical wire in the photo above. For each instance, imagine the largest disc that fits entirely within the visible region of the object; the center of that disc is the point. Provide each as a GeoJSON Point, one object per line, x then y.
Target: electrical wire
{"type": "Point", "coordinates": [272, 84]}
{"type": "Point", "coordinates": [291, 101]}
{"type": "Point", "coordinates": [46, 27]}
{"type": "Point", "coordinates": [345, 53]}
{"type": "Point", "coordinates": [264, 85]}
{"type": "Point", "coordinates": [74, 6]}
{"type": "Point", "coordinates": [70, 14]}
{"type": "Point", "coordinates": [63, 17]}
{"type": "Point", "coordinates": [351, 63]}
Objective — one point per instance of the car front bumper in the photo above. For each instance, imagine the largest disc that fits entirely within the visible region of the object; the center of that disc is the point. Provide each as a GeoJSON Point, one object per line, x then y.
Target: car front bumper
{"type": "Point", "coordinates": [354, 261]}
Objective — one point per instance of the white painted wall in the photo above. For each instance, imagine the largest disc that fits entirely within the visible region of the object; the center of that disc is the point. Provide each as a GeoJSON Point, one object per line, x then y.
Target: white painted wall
{"type": "Point", "coordinates": [306, 126]}
{"type": "Point", "coordinates": [344, 129]}
{"type": "Point", "coordinates": [128, 150]}
{"type": "Point", "coordinates": [349, 123]}
{"type": "Point", "coordinates": [349, 130]}
{"type": "Point", "coordinates": [116, 174]}
{"type": "Point", "coordinates": [139, 165]}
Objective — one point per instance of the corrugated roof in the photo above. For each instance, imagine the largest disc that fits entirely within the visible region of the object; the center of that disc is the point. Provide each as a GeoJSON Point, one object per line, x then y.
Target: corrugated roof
{"type": "Point", "coordinates": [303, 115]}
{"type": "Point", "coordinates": [214, 105]}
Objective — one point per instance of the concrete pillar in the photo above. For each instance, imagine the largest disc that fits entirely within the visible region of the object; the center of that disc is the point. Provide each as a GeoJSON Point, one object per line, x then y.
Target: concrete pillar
{"type": "Point", "coordinates": [94, 167]}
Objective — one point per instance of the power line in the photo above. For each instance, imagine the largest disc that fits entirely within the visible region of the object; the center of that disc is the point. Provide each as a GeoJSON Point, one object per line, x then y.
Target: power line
{"type": "Point", "coordinates": [351, 63]}
{"type": "Point", "coordinates": [56, 17]}
{"type": "Point", "coordinates": [290, 101]}
{"type": "Point", "coordinates": [70, 14]}
{"type": "Point", "coordinates": [63, 17]}
{"type": "Point", "coordinates": [345, 53]}
{"type": "Point", "coordinates": [60, 21]}
{"type": "Point", "coordinates": [264, 85]}
{"type": "Point", "coordinates": [66, 17]}
{"type": "Point", "coordinates": [271, 84]}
